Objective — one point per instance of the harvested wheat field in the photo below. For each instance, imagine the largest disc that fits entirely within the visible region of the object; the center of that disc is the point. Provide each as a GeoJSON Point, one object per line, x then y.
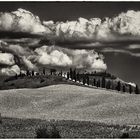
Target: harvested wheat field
{"type": "Point", "coordinates": [71, 102]}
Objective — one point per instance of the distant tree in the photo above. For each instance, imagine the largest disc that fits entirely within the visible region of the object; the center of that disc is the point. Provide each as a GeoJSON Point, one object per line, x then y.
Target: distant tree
{"type": "Point", "coordinates": [103, 82]}
{"type": "Point", "coordinates": [78, 77]}
{"type": "Point", "coordinates": [98, 83]}
{"type": "Point", "coordinates": [27, 72]}
{"type": "Point", "coordinates": [84, 79]}
{"type": "Point", "coordinates": [124, 90]}
{"type": "Point", "coordinates": [37, 73]}
{"type": "Point", "coordinates": [112, 85]}
{"type": "Point", "coordinates": [16, 76]}
{"type": "Point", "coordinates": [136, 89]}
{"type": "Point", "coordinates": [71, 73]}
{"type": "Point", "coordinates": [108, 85]}
{"type": "Point", "coordinates": [74, 75]}
{"type": "Point", "coordinates": [52, 71]}
{"type": "Point", "coordinates": [68, 75]}
{"type": "Point", "coordinates": [94, 82]}
{"type": "Point", "coordinates": [118, 86]}
{"type": "Point", "coordinates": [61, 73]}
{"type": "Point", "coordinates": [32, 72]}
{"type": "Point", "coordinates": [44, 72]}
{"type": "Point", "coordinates": [0, 119]}
{"type": "Point", "coordinates": [87, 79]}
{"type": "Point", "coordinates": [130, 89]}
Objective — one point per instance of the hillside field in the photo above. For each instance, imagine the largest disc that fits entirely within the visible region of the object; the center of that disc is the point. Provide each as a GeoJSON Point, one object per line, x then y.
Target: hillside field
{"type": "Point", "coordinates": [71, 102]}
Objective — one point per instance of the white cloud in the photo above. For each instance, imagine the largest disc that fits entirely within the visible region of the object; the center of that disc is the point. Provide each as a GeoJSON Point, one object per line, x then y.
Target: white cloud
{"type": "Point", "coordinates": [28, 63]}
{"type": "Point", "coordinates": [82, 59]}
{"type": "Point", "coordinates": [21, 21]}
{"type": "Point", "coordinates": [127, 23]}
{"type": "Point", "coordinates": [11, 71]}
{"type": "Point", "coordinates": [106, 50]}
{"type": "Point", "coordinates": [132, 84]}
{"type": "Point", "coordinates": [134, 46]}
{"type": "Point", "coordinates": [7, 59]}
{"type": "Point", "coordinates": [52, 57]}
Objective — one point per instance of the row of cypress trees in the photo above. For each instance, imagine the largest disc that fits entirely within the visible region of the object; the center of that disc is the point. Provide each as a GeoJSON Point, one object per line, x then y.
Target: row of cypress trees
{"type": "Point", "coordinates": [108, 84]}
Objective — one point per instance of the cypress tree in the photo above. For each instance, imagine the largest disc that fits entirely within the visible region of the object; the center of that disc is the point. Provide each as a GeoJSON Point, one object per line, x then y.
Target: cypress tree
{"type": "Point", "coordinates": [87, 79]}
{"type": "Point", "coordinates": [136, 90]}
{"type": "Point", "coordinates": [130, 89]}
{"type": "Point", "coordinates": [68, 75]}
{"type": "Point", "coordinates": [94, 82]}
{"type": "Point", "coordinates": [84, 80]}
{"type": "Point", "coordinates": [44, 71]}
{"type": "Point", "coordinates": [112, 87]}
{"type": "Point", "coordinates": [16, 76]}
{"type": "Point", "coordinates": [118, 86]}
{"type": "Point", "coordinates": [78, 77]}
{"type": "Point", "coordinates": [108, 85]}
{"type": "Point", "coordinates": [71, 73]}
{"type": "Point", "coordinates": [98, 83]}
{"type": "Point", "coordinates": [27, 73]}
{"type": "Point", "coordinates": [103, 82]}
{"type": "Point", "coordinates": [61, 73]}
{"type": "Point", "coordinates": [124, 88]}
{"type": "Point", "coordinates": [74, 75]}
{"type": "Point", "coordinates": [32, 72]}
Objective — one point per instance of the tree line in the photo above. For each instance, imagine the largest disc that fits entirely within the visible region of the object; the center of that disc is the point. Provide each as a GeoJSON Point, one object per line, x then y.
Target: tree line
{"type": "Point", "coordinates": [102, 82]}
{"type": "Point", "coordinates": [84, 78]}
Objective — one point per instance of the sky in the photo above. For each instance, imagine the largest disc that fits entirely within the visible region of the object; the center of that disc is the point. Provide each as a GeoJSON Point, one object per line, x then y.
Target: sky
{"type": "Point", "coordinates": [117, 37]}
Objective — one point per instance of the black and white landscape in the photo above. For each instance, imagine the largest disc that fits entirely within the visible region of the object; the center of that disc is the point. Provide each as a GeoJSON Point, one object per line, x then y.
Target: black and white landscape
{"type": "Point", "coordinates": [69, 69]}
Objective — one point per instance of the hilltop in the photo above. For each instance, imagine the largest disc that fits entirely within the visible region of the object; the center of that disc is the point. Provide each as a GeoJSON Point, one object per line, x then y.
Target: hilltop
{"type": "Point", "coordinates": [30, 79]}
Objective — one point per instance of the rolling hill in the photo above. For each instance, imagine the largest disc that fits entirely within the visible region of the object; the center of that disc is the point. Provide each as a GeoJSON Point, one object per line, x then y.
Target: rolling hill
{"type": "Point", "coordinates": [71, 102]}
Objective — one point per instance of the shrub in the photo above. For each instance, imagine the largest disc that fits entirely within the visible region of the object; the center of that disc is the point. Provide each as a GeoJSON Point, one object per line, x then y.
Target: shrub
{"type": "Point", "coordinates": [125, 135]}
{"type": "Point", "coordinates": [48, 132]}
{"type": "Point", "coordinates": [0, 119]}
{"type": "Point", "coordinates": [10, 79]}
{"type": "Point", "coordinates": [42, 80]}
{"type": "Point", "coordinates": [12, 84]}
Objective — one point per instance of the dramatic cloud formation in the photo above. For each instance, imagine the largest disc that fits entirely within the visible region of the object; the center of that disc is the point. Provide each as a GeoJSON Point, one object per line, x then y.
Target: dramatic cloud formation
{"type": "Point", "coordinates": [65, 44]}
{"type": "Point", "coordinates": [82, 59]}
{"type": "Point", "coordinates": [93, 29]}
{"type": "Point", "coordinates": [50, 56]}
{"type": "Point", "coordinates": [118, 28]}
{"type": "Point", "coordinates": [47, 56]}
{"type": "Point", "coordinates": [21, 21]}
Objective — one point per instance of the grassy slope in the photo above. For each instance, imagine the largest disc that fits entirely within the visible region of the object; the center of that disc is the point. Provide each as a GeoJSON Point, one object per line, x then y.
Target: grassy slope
{"type": "Point", "coordinates": [70, 102]}
{"type": "Point", "coordinates": [30, 81]}
{"type": "Point", "coordinates": [26, 128]}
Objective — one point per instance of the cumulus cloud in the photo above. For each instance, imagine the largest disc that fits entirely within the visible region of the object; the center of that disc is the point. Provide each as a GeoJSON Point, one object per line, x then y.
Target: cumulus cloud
{"type": "Point", "coordinates": [21, 21]}
{"type": "Point", "coordinates": [11, 71]}
{"type": "Point", "coordinates": [6, 59]}
{"type": "Point", "coordinates": [118, 28]}
{"type": "Point", "coordinates": [127, 23]}
{"type": "Point", "coordinates": [95, 32]}
{"type": "Point", "coordinates": [93, 29]}
{"type": "Point", "coordinates": [82, 59]}
{"type": "Point", "coordinates": [48, 56]}
{"type": "Point", "coordinates": [28, 63]}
